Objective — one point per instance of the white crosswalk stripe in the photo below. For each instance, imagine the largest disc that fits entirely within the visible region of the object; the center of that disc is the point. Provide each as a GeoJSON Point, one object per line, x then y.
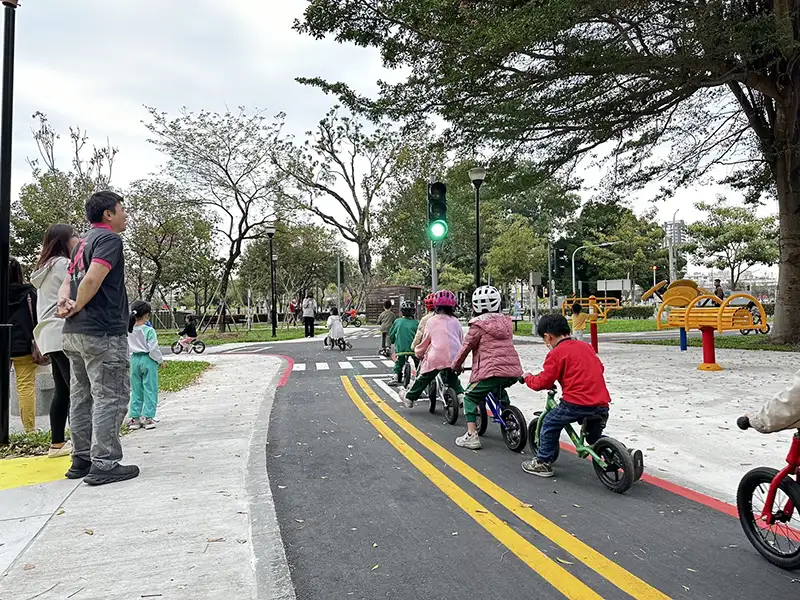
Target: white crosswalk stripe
{"type": "Point", "coordinates": [299, 367]}
{"type": "Point", "coordinates": [388, 363]}
{"type": "Point", "coordinates": [368, 364]}
{"type": "Point", "coordinates": [322, 366]}
{"type": "Point", "coordinates": [345, 364]}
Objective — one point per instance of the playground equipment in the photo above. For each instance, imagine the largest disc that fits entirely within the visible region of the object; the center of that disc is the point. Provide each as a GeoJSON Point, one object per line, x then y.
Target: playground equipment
{"type": "Point", "coordinates": [598, 309]}
{"type": "Point", "coordinates": [688, 306]}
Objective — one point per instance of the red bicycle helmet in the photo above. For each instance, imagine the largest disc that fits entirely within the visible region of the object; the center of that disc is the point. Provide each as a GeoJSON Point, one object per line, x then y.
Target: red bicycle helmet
{"type": "Point", "coordinates": [444, 298]}
{"type": "Point", "coordinates": [429, 302]}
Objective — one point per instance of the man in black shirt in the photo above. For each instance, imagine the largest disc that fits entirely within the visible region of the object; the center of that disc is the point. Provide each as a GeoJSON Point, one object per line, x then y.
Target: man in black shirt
{"type": "Point", "coordinates": [94, 302]}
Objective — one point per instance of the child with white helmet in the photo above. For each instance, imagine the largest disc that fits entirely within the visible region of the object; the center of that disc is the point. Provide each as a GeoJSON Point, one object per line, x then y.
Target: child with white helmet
{"type": "Point", "coordinates": [495, 362]}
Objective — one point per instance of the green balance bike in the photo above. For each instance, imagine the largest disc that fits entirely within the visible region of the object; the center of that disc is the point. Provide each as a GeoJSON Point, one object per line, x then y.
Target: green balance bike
{"type": "Point", "coordinates": [615, 465]}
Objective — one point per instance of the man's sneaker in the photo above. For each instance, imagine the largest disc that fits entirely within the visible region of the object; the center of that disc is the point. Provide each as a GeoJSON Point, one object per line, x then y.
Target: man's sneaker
{"type": "Point", "coordinates": [403, 396]}
{"type": "Point", "coordinates": [119, 473]}
{"type": "Point", "coordinates": [134, 424]}
{"type": "Point", "coordinates": [393, 383]}
{"type": "Point", "coordinates": [80, 468]}
{"type": "Point", "coordinates": [65, 450]}
{"type": "Point", "coordinates": [538, 468]}
{"type": "Point", "coordinates": [638, 463]}
{"type": "Point", "coordinates": [148, 423]}
{"type": "Point", "coordinates": [473, 442]}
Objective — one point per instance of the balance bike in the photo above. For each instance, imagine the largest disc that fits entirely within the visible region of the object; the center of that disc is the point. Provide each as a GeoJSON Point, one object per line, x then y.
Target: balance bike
{"type": "Point", "coordinates": [768, 501]}
{"type": "Point", "coordinates": [613, 463]}
{"type": "Point", "coordinates": [510, 419]}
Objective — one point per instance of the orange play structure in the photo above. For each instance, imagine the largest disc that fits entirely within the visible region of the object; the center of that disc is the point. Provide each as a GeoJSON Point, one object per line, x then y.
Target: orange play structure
{"type": "Point", "coordinates": [688, 306]}
{"type": "Point", "coordinates": [598, 309]}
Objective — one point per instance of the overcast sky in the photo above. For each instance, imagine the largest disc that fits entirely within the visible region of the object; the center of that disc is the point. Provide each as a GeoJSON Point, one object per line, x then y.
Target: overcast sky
{"type": "Point", "coordinates": [94, 63]}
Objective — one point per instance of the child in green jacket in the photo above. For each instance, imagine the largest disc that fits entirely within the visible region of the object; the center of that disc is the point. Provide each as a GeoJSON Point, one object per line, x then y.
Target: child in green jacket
{"type": "Point", "coordinates": [401, 334]}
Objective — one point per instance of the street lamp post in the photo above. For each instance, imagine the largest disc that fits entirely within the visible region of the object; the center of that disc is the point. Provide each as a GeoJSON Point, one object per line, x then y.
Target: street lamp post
{"type": "Point", "coordinates": [6, 120]}
{"type": "Point", "coordinates": [273, 312]}
{"type": "Point", "coordinates": [476, 176]}
{"type": "Point", "coordinates": [574, 280]}
{"type": "Point", "coordinates": [672, 267]}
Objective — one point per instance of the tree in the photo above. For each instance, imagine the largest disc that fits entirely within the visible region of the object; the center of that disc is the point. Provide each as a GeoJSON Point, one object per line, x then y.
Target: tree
{"type": "Point", "coordinates": [165, 242]}
{"type": "Point", "coordinates": [341, 155]}
{"type": "Point", "coordinates": [223, 162]}
{"type": "Point", "coordinates": [704, 83]}
{"type": "Point", "coordinates": [55, 195]}
{"type": "Point", "coordinates": [733, 239]}
{"type": "Point", "coordinates": [516, 252]}
{"type": "Point", "coordinates": [306, 261]}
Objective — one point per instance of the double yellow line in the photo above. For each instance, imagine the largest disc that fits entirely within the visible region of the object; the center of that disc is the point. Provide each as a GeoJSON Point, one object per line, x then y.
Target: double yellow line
{"type": "Point", "coordinates": [552, 572]}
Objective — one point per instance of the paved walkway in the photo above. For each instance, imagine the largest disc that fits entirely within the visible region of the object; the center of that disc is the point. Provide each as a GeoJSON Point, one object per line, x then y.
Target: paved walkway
{"type": "Point", "coordinates": [197, 523]}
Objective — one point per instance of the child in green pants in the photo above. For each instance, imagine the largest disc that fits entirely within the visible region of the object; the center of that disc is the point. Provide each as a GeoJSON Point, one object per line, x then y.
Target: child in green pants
{"type": "Point", "coordinates": [495, 362]}
{"type": "Point", "coordinates": [146, 359]}
{"type": "Point", "coordinates": [401, 334]}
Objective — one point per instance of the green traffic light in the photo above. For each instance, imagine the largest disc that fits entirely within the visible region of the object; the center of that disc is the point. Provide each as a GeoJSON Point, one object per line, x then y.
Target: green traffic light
{"type": "Point", "coordinates": [438, 230]}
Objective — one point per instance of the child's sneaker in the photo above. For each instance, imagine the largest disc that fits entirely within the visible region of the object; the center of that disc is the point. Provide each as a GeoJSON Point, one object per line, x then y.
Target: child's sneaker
{"type": "Point", "coordinates": [473, 442]}
{"type": "Point", "coordinates": [134, 424]}
{"type": "Point", "coordinates": [148, 423]}
{"type": "Point", "coordinates": [393, 382]}
{"type": "Point", "coordinates": [538, 468]}
{"type": "Point", "coordinates": [408, 403]}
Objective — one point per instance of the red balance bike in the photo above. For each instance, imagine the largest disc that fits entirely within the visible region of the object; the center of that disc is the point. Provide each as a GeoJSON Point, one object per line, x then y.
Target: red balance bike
{"type": "Point", "coordinates": [769, 507]}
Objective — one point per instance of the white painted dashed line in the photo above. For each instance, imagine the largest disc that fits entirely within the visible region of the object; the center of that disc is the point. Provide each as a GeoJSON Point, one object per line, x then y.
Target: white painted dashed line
{"type": "Point", "coordinates": [299, 367]}
{"type": "Point", "coordinates": [368, 364]}
{"type": "Point", "coordinates": [345, 365]}
{"type": "Point", "coordinates": [322, 366]}
{"type": "Point", "coordinates": [388, 363]}
{"type": "Point", "coordinates": [392, 394]}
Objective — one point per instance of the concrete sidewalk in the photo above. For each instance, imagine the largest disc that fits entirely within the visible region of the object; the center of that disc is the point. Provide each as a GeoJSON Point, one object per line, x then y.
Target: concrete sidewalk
{"type": "Point", "coordinates": [198, 522]}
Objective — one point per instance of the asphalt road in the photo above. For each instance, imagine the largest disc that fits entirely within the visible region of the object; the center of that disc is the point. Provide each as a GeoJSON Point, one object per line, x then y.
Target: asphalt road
{"type": "Point", "coordinates": [376, 501]}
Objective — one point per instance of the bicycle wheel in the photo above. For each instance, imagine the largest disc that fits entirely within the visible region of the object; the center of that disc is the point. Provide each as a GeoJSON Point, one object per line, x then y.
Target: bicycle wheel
{"type": "Point", "coordinates": [432, 396]}
{"type": "Point", "coordinates": [199, 347]}
{"type": "Point", "coordinates": [342, 344]}
{"type": "Point", "coordinates": [451, 406]}
{"type": "Point", "coordinates": [482, 421]}
{"type": "Point", "coordinates": [618, 476]}
{"type": "Point", "coordinates": [744, 331]}
{"type": "Point", "coordinates": [514, 429]}
{"type": "Point", "coordinates": [406, 376]}
{"type": "Point", "coordinates": [177, 348]}
{"type": "Point", "coordinates": [779, 543]}
{"type": "Point", "coordinates": [532, 439]}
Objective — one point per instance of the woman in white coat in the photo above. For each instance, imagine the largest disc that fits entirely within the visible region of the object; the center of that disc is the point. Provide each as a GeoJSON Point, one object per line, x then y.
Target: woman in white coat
{"type": "Point", "coordinates": [51, 270]}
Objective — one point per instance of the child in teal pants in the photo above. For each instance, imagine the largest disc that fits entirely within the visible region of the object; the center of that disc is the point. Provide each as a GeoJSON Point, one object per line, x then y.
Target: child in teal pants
{"type": "Point", "coordinates": [146, 359]}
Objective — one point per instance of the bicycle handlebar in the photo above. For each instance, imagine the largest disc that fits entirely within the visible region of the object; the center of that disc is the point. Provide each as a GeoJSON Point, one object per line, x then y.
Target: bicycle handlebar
{"type": "Point", "coordinates": [743, 423]}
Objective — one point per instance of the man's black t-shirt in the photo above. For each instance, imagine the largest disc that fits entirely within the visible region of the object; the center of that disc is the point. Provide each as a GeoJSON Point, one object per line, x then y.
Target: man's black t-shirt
{"type": "Point", "coordinates": [107, 312]}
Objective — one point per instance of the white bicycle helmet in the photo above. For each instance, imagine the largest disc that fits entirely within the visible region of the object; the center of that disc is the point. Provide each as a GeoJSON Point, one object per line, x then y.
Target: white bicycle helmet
{"type": "Point", "coordinates": [486, 299]}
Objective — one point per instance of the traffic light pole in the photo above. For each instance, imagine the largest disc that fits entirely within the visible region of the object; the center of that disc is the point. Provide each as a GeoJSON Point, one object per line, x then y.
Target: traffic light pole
{"type": "Point", "coordinates": [434, 269]}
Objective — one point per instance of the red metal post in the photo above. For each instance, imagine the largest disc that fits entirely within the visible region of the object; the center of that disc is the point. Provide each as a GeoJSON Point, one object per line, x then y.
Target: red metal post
{"type": "Point", "coordinates": [709, 354]}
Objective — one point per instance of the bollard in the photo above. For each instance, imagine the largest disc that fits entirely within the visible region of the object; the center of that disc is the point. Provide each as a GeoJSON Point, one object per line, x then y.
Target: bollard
{"type": "Point", "coordinates": [684, 341]}
{"type": "Point", "coordinates": [709, 355]}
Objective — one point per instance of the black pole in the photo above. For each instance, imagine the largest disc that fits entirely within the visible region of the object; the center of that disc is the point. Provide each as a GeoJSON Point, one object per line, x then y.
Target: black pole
{"type": "Point", "coordinates": [273, 313]}
{"type": "Point", "coordinates": [477, 184]}
{"type": "Point", "coordinates": [6, 122]}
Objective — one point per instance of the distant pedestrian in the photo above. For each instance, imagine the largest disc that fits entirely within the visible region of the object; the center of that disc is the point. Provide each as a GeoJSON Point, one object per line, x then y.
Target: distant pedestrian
{"type": "Point", "coordinates": [309, 313]}
{"type": "Point", "coordinates": [22, 317]}
{"type": "Point", "coordinates": [51, 270]}
{"type": "Point", "coordinates": [94, 301]}
{"type": "Point", "coordinates": [146, 359]}
{"type": "Point", "coordinates": [291, 315]}
{"type": "Point", "coordinates": [718, 291]}
{"type": "Point", "coordinates": [579, 319]}
{"type": "Point", "coordinates": [385, 320]}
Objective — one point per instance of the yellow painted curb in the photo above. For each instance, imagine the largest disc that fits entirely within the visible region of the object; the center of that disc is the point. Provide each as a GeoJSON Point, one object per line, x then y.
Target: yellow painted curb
{"type": "Point", "coordinates": [19, 472]}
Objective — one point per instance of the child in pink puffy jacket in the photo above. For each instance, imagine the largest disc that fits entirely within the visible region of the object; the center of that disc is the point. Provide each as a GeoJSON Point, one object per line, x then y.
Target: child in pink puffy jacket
{"type": "Point", "coordinates": [440, 344]}
{"type": "Point", "coordinates": [495, 362]}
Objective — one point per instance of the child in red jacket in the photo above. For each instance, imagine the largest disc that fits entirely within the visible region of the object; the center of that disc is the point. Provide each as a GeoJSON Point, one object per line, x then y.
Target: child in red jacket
{"type": "Point", "coordinates": [575, 366]}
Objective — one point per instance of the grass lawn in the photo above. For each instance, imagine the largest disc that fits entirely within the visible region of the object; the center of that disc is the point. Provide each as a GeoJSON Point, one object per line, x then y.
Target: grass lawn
{"type": "Point", "coordinates": [612, 326]}
{"type": "Point", "coordinates": [750, 342]}
{"type": "Point", "coordinates": [172, 378]}
{"type": "Point", "coordinates": [257, 334]}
